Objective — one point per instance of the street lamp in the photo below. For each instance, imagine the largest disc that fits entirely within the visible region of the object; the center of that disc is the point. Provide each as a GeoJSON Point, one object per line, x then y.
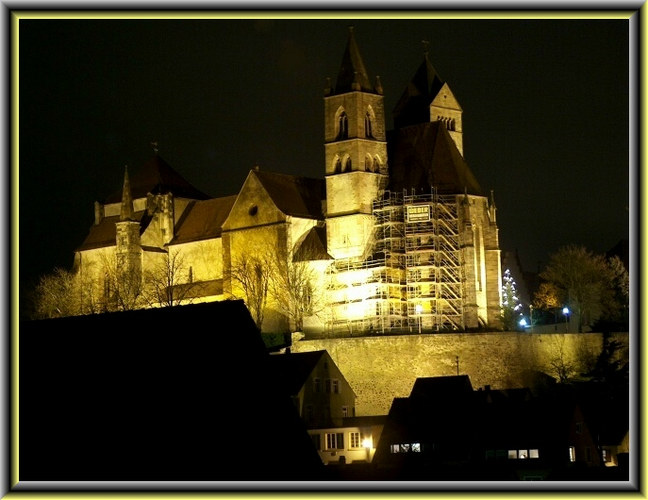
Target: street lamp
{"type": "Point", "coordinates": [419, 309]}
{"type": "Point", "coordinates": [565, 312]}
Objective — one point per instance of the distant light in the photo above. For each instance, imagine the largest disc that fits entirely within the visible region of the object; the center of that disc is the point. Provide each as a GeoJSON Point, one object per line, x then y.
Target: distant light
{"type": "Point", "coordinates": [565, 311]}
{"type": "Point", "coordinates": [418, 308]}
{"type": "Point", "coordinates": [523, 322]}
{"type": "Point", "coordinates": [367, 443]}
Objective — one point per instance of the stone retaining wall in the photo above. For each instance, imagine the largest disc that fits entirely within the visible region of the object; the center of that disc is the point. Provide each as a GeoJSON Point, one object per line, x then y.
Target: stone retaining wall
{"type": "Point", "coordinates": [382, 368]}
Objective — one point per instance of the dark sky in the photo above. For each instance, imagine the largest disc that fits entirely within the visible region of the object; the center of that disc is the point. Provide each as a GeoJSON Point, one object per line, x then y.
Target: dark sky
{"type": "Point", "coordinates": [545, 114]}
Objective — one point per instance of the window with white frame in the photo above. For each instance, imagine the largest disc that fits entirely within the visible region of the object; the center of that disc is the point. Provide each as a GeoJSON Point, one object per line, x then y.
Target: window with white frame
{"type": "Point", "coordinates": [355, 440]}
{"type": "Point", "coordinates": [334, 441]}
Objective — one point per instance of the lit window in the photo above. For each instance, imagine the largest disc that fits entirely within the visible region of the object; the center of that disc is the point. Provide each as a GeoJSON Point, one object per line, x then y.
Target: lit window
{"type": "Point", "coordinates": [572, 454]}
{"type": "Point", "coordinates": [606, 455]}
{"type": "Point", "coordinates": [405, 447]}
{"type": "Point", "coordinates": [416, 447]}
{"type": "Point", "coordinates": [334, 441]}
{"type": "Point", "coordinates": [355, 439]}
{"type": "Point", "coordinates": [523, 454]}
{"type": "Point", "coordinates": [512, 454]}
{"type": "Point", "coordinates": [395, 448]}
{"type": "Point", "coordinates": [534, 453]}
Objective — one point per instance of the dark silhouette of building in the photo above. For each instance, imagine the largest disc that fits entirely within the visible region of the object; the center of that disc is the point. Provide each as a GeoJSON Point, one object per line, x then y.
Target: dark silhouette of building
{"type": "Point", "coordinates": [179, 393]}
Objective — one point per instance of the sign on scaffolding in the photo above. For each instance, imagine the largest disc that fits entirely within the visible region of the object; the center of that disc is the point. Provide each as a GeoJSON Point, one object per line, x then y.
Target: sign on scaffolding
{"type": "Point", "coordinates": [418, 213]}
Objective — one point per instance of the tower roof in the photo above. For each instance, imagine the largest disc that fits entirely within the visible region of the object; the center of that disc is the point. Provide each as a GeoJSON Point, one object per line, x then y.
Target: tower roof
{"type": "Point", "coordinates": [353, 73]}
{"type": "Point", "coordinates": [413, 106]}
{"type": "Point", "coordinates": [156, 176]}
{"type": "Point", "coordinates": [425, 155]}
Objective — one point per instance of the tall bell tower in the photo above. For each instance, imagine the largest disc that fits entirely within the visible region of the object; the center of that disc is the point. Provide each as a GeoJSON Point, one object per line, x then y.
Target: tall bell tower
{"type": "Point", "coordinates": [355, 155]}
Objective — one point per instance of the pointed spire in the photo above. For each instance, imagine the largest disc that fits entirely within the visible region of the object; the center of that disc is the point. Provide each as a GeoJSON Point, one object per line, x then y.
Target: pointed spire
{"type": "Point", "coordinates": [127, 213]}
{"type": "Point", "coordinates": [353, 73]}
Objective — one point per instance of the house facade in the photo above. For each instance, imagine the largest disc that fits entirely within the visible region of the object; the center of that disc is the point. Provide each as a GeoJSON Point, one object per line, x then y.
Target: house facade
{"type": "Point", "coordinates": [397, 237]}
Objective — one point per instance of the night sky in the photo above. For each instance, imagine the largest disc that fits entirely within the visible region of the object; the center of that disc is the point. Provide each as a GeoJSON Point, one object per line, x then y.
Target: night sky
{"type": "Point", "coordinates": [545, 114]}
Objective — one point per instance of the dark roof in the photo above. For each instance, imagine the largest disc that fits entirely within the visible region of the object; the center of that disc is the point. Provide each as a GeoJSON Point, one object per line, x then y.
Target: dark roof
{"type": "Point", "coordinates": [156, 176]}
{"type": "Point", "coordinates": [203, 219]}
{"type": "Point", "coordinates": [414, 105]}
{"type": "Point", "coordinates": [291, 370]}
{"type": "Point", "coordinates": [294, 195]}
{"type": "Point", "coordinates": [425, 155]}
{"type": "Point", "coordinates": [353, 74]}
{"type": "Point", "coordinates": [130, 396]}
{"type": "Point", "coordinates": [312, 246]}
{"type": "Point", "coordinates": [442, 387]}
{"type": "Point", "coordinates": [104, 233]}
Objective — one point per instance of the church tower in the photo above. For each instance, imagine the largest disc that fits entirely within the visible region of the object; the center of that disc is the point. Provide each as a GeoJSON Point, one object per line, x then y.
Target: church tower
{"type": "Point", "coordinates": [428, 98]}
{"type": "Point", "coordinates": [355, 155]}
{"type": "Point", "coordinates": [128, 251]}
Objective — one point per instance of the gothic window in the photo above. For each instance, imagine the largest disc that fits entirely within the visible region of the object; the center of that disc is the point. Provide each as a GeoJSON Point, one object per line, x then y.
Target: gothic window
{"type": "Point", "coordinates": [368, 130]}
{"type": "Point", "coordinates": [376, 164]}
{"type": "Point", "coordinates": [368, 164]}
{"type": "Point", "coordinates": [190, 278]}
{"type": "Point", "coordinates": [338, 166]}
{"type": "Point", "coordinates": [347, 164]}
{"type": "Point", "coordinates": [343, 126]}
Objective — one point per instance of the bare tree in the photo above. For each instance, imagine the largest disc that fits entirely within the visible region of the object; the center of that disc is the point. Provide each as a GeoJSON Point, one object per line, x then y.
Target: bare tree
{"type": "Point", "coordinates": [560, 364]}
{"type": "Point", "coordinates": [293, 287]}
{"type": "Point", "coordinates": [123, 288]}
{"type": "Point", "coordinates": [56, 295]}
{"type": "Point", "coordinates": [168, 283]}
{"type": "Point", "coordinates": [252, 275]}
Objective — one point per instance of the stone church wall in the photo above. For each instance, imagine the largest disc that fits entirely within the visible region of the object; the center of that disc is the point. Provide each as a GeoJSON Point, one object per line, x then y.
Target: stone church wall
{"type": "Point", "coordinates": [382, 368]}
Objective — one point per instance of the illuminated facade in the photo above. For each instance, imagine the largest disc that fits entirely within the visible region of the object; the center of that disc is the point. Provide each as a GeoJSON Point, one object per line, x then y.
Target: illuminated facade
{"type": "Point", "coordinates": [398, 235]}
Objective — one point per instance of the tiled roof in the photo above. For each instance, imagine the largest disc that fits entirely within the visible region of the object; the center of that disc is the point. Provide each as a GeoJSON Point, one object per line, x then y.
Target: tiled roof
{"type": "Point", "coordinates": [157, 177]}
{"type": "Point", "coordinates": [312, 246]}
{"type": "Point", "coordinates": [292, 370]}
{"type": "Point", "coordinates": [104, 233]}
{"type": "Point", "coordinates": [294, 195]}
{"type": "Point", "coordinates": [203, 219]}
{"type": "Point", "coordinates": [425, 155]}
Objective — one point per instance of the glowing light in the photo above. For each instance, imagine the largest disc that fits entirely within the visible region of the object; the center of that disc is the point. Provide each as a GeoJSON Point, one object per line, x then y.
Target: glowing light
{"type": "Point", "coordinates": [367, 443]}
{"type": "Point", "coordinates": [418, 308]}
{"type": "Point", "coordinates": [523, 322]}
{"type": "Point", "coordinates": [565, 311]}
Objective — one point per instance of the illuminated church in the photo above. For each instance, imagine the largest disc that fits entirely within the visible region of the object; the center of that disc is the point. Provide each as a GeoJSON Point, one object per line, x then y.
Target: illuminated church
{"type": "Point", "coordinates": [398, 237]}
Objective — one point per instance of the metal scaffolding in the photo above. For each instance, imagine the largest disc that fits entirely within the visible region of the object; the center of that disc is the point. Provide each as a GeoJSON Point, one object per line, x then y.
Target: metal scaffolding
{"type": "Point", "coordinates": [413, 281]}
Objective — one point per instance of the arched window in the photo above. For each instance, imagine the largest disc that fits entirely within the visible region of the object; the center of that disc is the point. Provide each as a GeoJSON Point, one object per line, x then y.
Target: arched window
{"type": "Point", "coordinates": [338, 166]}
{"type": "Point", "coordinates": [377, 164]}
{"type": "Point", "coordinates": [347, 164]}
{"type": "Point", "coordinates": [368, 130]}
{"type": "Point", "coordinates": [343, 126]}
{"type": "Point", "coordinates": [368, 163]}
